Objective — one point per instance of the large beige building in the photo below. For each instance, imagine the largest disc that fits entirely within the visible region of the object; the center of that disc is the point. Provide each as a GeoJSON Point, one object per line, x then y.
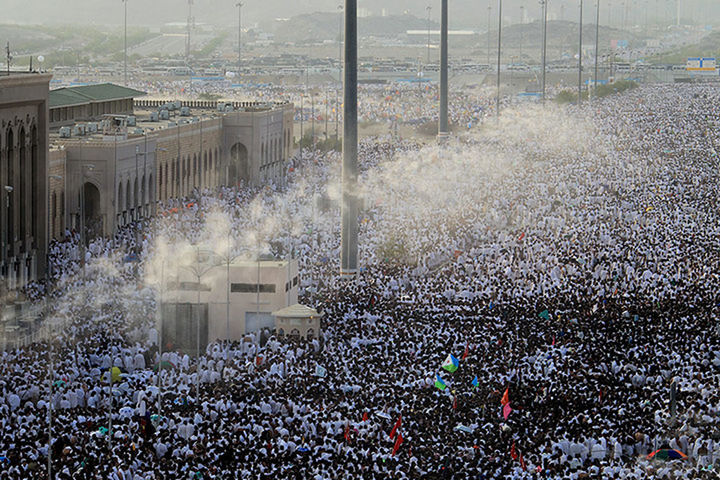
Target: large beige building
{"type": "Point", "coordinates": [119, 166]}
{"type": "Point", "coordinates": [23, 177]}
{"type": "Point", "coordinates": [257, 289]}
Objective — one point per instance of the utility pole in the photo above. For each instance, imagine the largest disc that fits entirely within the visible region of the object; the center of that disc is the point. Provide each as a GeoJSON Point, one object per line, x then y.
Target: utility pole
{"type": "Point", "coordinates": [189, 28]}
{"type": "Point", "coordinates": [597, 43]}
{"type": "Point", "coordinates": [499, 56]}
{"type": "Point", "coordinates": [428, 8]}
{"type": "Point", "coordinates": [544, 46]}
{"type": "Point", "coordinates": [349, 250]}
{"type": "Point", "coordinates": [239, 64]}
{"type": "Point", "coordinates": [126, 76]}
{"type": "Point", "coordinates": [580, 53]}
{"type": "Point", "coordinates": [443, 130]}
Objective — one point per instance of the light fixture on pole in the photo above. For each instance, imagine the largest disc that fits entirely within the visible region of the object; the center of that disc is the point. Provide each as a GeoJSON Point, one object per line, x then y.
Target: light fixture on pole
{"type": "Point", "coordinates": [499, 56]}
{"type": "Point", "coordinates": [544, 45]}
{"type": "Point", "coordinates": [239, 61]}
{"type": "Point", "coordinates": [580, 54]}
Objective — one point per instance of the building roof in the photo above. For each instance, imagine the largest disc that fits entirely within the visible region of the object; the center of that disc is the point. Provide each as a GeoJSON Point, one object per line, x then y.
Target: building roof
{"type": "Point", "coordinates": [103, 92]}
{"type": "Point", "coordinates": [297, 311]}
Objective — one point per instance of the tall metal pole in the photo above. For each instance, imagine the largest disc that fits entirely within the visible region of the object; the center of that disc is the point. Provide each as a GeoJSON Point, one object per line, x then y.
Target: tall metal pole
{"type": "Point", "coordinates": [349, 250]}
{"type": "Point", "coordinates": [488, 32]}
{"type": "Point", "coordinates": [522, 28]}
{"type": "Point", "coordinates": [126, 77]}
{"type": "Point", "coordinates": [337, 90]}
{"type": "Point", "coordinates": [443, 126]}
{"type": "Point", "coordinates": [580, 54]}
{"type": "Point", "coordinates": [428, 8]}
{"type": "Point", "coordinates": [499, 56]}
{"type": "Point", "coordinates": [239, 64]}
{"type": "Point", "coordinates": [544, 46]}
{"type": "Point", "coordinates": [597, 43]}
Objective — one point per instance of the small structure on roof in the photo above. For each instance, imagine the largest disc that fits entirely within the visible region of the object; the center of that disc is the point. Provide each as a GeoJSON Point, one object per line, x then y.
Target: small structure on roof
{"type": "Point", "coordinates": [298, 321]}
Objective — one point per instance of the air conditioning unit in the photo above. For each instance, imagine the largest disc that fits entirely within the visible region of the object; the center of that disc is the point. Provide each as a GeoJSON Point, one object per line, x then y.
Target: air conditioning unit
{"type": "Point", "coordinates": [78, 130]}
{"type": "Point", "coordinates": [185, 111]}
{"type": "Point", "coordinates": [131, 121]}
{"type": "Point", "coordinates": [92, 127]}
{"type": "Point", "coordinates": [64, 132]}
{"type": "Point", "coordinates": [164, 115]}
{"type": "Point", "coordinates": [154, 116]}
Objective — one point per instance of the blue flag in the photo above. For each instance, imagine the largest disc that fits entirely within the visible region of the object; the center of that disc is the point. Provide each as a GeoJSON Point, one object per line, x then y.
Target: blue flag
{"type": "Point", "coordinates": [475, 382]}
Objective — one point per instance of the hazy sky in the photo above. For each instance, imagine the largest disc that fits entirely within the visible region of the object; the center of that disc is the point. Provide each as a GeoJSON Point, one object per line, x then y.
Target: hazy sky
{"type": "Point", "coordinates": [464, 13]}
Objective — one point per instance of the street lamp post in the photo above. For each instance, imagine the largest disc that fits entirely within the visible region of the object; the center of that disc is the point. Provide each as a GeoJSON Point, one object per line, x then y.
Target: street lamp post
{"type": "Point", "coordinates": [239, 61]}
{"type": "Point", "coordinates": [125, 41]}
{"type": "Point", "coordinates": [337, 90]}
{"type": "Point", "coordinates": [499, 56]}
{"type": "Point", "coordinates": [428, 8]}
{"type": "Point", "coordinates": [544, 45]}
{"type": "Point", "coordinates": [597, 43]}
{"type": "Point", "coordinates": [8, 190]}
{"type": "Point", "coordinates": [580, 54]}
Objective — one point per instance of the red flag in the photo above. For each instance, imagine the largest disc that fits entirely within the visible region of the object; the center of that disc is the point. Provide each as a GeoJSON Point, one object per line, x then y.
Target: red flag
{"type": "Point", "coordinates": [467, 351]}
{"type": "Point", "coordinates": [347, 432]}
{"type": "Point", "coordinates": [506, 397]}
{"type": "Point", "coordinates": [398, 442]}
{"type": "Point", "coordinates": [507, 410]}
{"type": "Point", "coordinates": [522, 462]}
{"type": "Point", "coordinates": [454, 403]}
{"type": "Point", "coordinates": [513, 452]}
{"type": "Point", "coordinates": [522, 235]}
{"type": "Point", "coordinates": [393, 432]}
{"type": "Point", "coordinates": [365, 417]}
{"type": "Point", "coordinates": [553, 343]}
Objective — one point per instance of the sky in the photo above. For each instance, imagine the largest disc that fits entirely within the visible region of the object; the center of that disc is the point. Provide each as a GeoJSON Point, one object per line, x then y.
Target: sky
{"type": "Point", "coordinates": [466, 13]}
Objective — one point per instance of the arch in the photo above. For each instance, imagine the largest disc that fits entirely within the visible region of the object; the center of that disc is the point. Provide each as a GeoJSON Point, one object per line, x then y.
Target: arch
{"type": "Point", "coordinates": [120, 197]}
{"type": "Point", "coordinates": [34, 183]}
{"type": "Point", "coordinates": [160, 177]}
{"type": "Point", "coordinates": [143, 194]}
{"type": "Point", "coordinates": [204, 170]}
{"type": "Point", "coordinates": [128, 196]}
{"type": "Point", "coordinates": [150, 194]}
{"type": "Point", "coordinates": [22, 187]}
{"type": "Point", "coordinates": [136, 197]}
{"type": "Point", "coordinates": [10, 196]}
{"type": "Point", "coordinates": [239, 168]}
{"type": "Point", "coordinates": [295, 333]}
{"type": "Point", "coordinates": [92, 211]}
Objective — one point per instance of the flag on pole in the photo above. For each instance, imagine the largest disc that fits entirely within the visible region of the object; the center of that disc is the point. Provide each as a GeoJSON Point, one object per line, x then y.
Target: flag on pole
{"type": "Point", "coordinates": [466, 352]}
{"type": "Point", "coordinates": [347, 432]}
{"type": "Point", "coordinates": [544, 314]}
{"type": "Point", "coordinates": [454, 402]}
{"type": "Point", "coordinates": [506, 411]}
{"type": "Point", "coordinates": [394, 430]}
{"type": "Point", "coordinates": [506, 397]}
{"type": "Point", "coordinates": [365, 417]}
{"type": "Point", "coordinates": [451, 363]}
{"type": "Point", "coordinates": [475, 382]}
{"type": "Point", "coordinates": [513, 452]}
{"type": "Point", "coordinates": [439, 383]}
{"type": "Point", "coordinates": [398, 442]}
{"type": "Point", "coordinates": [522, 462]}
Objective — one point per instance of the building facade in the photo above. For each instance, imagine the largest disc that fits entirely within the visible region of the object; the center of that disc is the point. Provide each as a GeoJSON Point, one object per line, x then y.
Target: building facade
{"type": "Point", "coordinates": [126, 165]}
{"type": "Point", "coordinates": [23, 177]}
{"type": "Point", "coordinates": [256, 290]}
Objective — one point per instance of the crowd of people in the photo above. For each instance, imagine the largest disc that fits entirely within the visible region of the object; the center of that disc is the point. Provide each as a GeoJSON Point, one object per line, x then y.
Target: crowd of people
{"type": "Point", "coordinates": [565, 258]}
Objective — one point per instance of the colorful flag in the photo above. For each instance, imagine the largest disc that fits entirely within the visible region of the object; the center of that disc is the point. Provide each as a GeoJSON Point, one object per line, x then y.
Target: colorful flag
{"type": "Point", "coordinates": [522, 462]}
{"type": "Point", "coordinates": [394, 430]}
{"type": "Point", "coordinates": [506, 411]}
{"type": "Point", "coordinates": [544, 314]}
{"type": "Point", "coordinates": [475, 382]}
{"type": "Point", "coordinates": [398, 442]}
{"type": "Point", "coordinates": [439, 383]}
{"type": "Point", "coordinates": [451, 363]}
{"type": "Point", "coordinates": [347, 432]}
{"type": "Point", "coordinates": [513, 452]}
{"type": "Point", "coordinates": [454, 405]}
{"type": "Point", "coordinates": [506, 397]}
{"type": "Point", "coordinates": [365, 417]}
{"type": "Point", "coordinates": [466, 352]}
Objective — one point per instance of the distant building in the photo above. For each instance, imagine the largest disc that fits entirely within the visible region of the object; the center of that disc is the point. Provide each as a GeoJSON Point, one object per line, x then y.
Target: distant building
{"type": "Point", "coordinates": [256, 290]}
{"type": "Point", "coordinates": [123, 156]}
{"type": "Point", "coordinates": [87, 103]}
{"type": "Point", "coordinates": [23, 177]}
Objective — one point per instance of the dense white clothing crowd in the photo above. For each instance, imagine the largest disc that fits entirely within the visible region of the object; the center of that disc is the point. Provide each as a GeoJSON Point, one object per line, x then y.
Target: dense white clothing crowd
{"type": "Point", "coordinates": [567, 257]}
